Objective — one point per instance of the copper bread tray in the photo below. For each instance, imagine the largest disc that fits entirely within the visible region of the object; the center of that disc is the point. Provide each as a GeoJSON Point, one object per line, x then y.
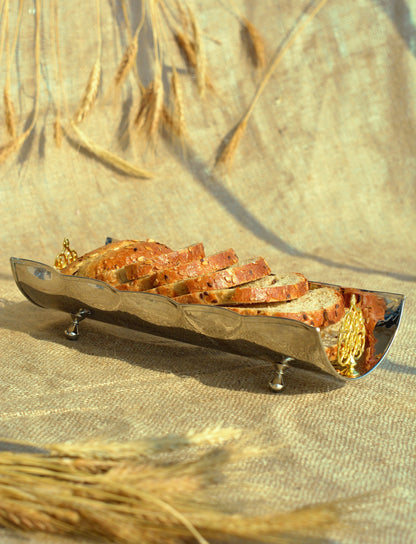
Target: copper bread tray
{"type": "Point", "coordinates": [280, 341]}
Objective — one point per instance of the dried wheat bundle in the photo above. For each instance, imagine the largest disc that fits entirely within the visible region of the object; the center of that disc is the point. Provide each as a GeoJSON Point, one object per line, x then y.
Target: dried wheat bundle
{"type": "Point", "coordinates": [137, 492]}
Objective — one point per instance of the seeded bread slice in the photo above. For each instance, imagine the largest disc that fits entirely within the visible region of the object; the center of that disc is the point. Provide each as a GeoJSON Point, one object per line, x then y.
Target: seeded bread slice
{"type": "Point", "coordinates": [318, 307]}
{"type": "Point", "coordinates": [231, 276]}
{"type": "Point", "coordinates": [184, 271]}
{"type": "Point", "coordinates": [140, 284]}
{"type": "Point", "coordinates": [270, 288]}
{"type": "Point", "coordinates": [118, 255]}
{"type": "Point", "coordinates": [159, 262]}
{"type": "Point", "coordinates": [141, 275]}
{"type": "Point", "coordinates": [99, 252]}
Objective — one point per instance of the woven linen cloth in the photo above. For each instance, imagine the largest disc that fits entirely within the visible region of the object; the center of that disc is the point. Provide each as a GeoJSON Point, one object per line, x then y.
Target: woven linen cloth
{"type": "Point", "coordinates": [323, 183]}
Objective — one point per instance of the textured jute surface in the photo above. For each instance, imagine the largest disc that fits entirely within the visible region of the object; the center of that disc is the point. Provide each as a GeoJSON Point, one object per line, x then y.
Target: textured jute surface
{"type": "Point", "coordinates": [323, 183]}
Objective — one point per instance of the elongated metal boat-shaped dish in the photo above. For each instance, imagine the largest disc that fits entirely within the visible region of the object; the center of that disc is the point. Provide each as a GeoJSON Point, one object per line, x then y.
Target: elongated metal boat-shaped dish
{"type": "Point", "coordinates": [280, 341]}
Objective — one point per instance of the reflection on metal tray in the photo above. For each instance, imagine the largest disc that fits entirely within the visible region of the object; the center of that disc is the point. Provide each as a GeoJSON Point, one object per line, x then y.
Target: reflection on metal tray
{"type": "Point", "coordinates": [279, 340]}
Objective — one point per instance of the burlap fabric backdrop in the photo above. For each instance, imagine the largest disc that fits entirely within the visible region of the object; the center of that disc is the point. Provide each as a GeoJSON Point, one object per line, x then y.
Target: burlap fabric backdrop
{"type": "Point", "coordinates": [323, 183]}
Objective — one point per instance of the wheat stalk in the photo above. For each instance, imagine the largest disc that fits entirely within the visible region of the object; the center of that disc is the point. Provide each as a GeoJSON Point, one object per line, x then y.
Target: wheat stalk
{"type": "Point", "coordinates": [10, 112]}
{"type": "Point", "coordinates": [9, 109]}
{"type": "Point", "coordinates": [4, 7]}
{"type": "Point", "coordinates": [8, 149]}
{"type": "Point", "coordinates": [108, 157]}
{"type": "Point", "coordinates": [177, 104]}
{"type": "Point", "coordinates": [200, 59]}
{"type": "Point", "coordinates": [91, 90]}
{"type": "Point", "coordinates": [227, 154]}
{"type": "Point", "coordinates": [57, 133]}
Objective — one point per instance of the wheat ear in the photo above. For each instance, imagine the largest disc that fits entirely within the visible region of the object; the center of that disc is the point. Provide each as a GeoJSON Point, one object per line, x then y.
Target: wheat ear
{"type": "Point", "coordinates": [187, 47]}
{"type": "Point", "coordinates": [254, 43]}
{"type": "Point", "coordinates": [90, 93]}
{"type": "Point", "coordinates": [227, 154]}
{"type": "Point", "coordinates": [126, 62]}
{"type": "Point", "coordinates": [130, 54]}
{"type": "Point", "coordinates": [12, 146]}
{"type": "Point", "coordinates": [109, 158]}
{"type": "Point", "coordinates": [91, 90]}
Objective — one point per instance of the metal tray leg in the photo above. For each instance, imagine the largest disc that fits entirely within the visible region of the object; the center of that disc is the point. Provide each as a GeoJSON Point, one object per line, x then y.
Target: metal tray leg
{"type": "Point", "coordinates": [72, 332]}
{"type": "Point", "coordinates": [277, 384]}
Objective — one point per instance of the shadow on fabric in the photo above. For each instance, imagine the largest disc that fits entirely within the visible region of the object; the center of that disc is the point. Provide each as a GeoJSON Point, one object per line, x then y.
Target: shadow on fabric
{"type": "Point", "coordinates": [219, 369]}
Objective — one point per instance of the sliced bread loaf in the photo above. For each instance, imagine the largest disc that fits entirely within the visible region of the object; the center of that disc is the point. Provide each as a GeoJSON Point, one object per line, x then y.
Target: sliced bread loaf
{"type": "Point", "coordinates": [267, 289]}
{"type": "Point", "coordinates": [231, 276]}
{"type": "Point", "coordinates": [318, 307]}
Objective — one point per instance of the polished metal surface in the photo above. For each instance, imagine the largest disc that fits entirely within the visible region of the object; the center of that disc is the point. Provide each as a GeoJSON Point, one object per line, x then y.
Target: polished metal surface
{"type": "Point", "coordinates": [273, 339]}
{"type": "Point", "coordinates": [277, 384]}
{"type": "Point", "coordinates": [72, 332]}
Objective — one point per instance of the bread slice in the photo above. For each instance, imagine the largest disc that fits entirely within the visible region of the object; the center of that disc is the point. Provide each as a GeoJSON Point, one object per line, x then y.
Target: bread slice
{"type": "Point", "coordinates": [199, 267]}
{"type": "Point", "coordinates": [117, 255]}
{"type": "Point", "coordinates": [318, 307]}
{"type": "Point", "coordinates": [140, 284]}
{"type": "Point", "coordinates": [82, 261]}
{"type": "Point", "coordinates": [185, 271]}
{"type": "Point", "coordinates": [230, 277]}
{"type": "Point", "coordinates": [270, 288]}
{"type": "Point", "coordinates": [160, 262]}
{"type": "Point", "coordinates": [141, 275]}
{"type": "Point", "coordinates": [329, 336]}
